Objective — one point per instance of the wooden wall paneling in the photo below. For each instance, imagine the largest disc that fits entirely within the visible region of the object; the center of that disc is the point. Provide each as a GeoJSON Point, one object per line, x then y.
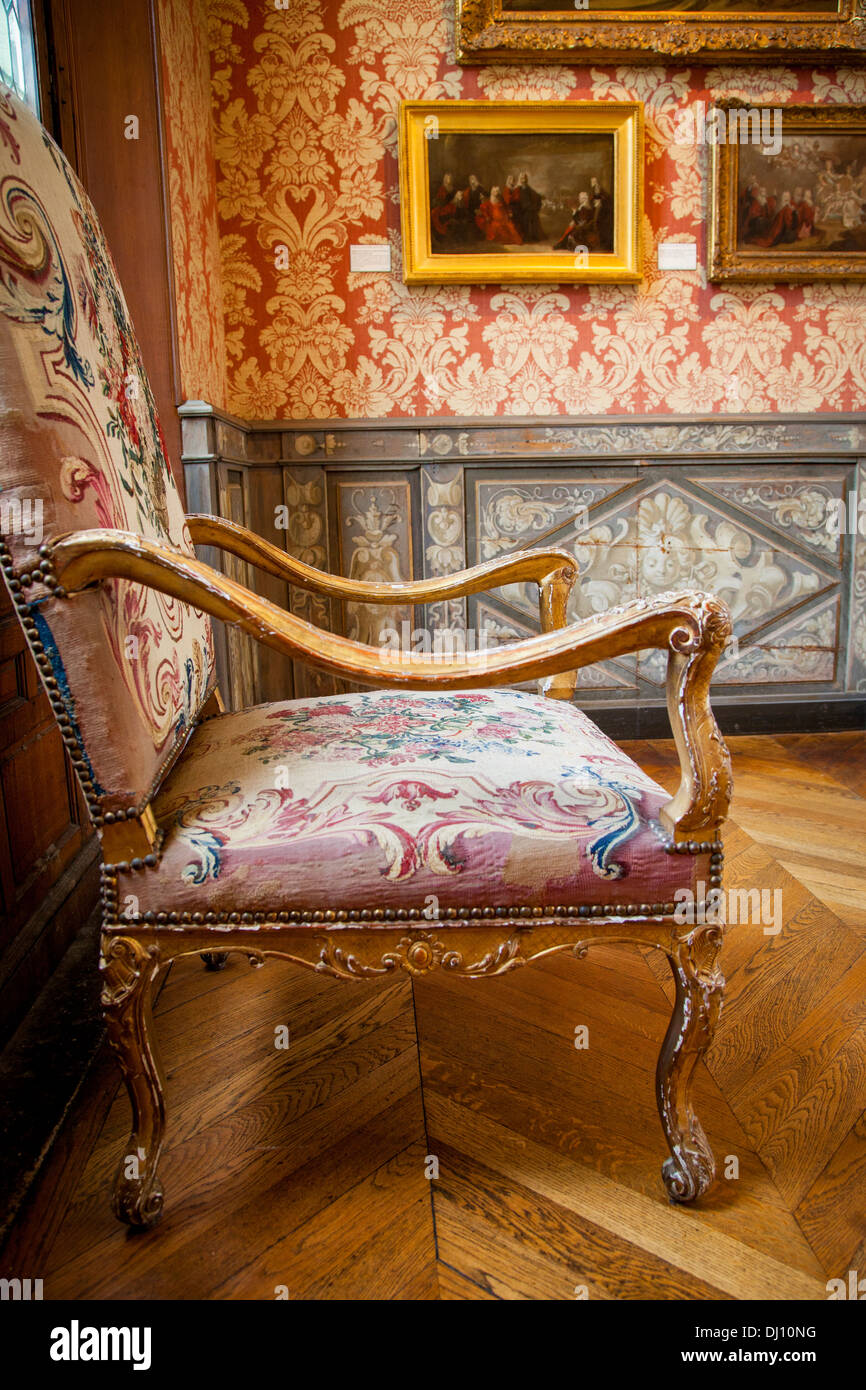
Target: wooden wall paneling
{"type": "Point", "coordinates": [736, 504]}
{"type": "Point", "coordinates": [374, 521]}
{"type": "Point", "coordinates": [590, 512]}
{"type": "Point", "coordinates": [443, 514]}
{"type": "Point", "coordinates": [263, 506]}
{"type": "Point", "coordinates": [801, 637]}
{"type": "Point", "coordinates": [856, 664]}
{"type": "Point", "coordinates": [202, 495]}
{"type": "Point", "coordinates": [697, 530]}
{"type": "Point", "coordinates": [615, 437]}
{"type": "Point", "coordinates": [275, 679]}
{"type": "Point", "coordinates": [243, 682]}
{"type": "Point", "coordinates": [306, 538]}
{"type": "Point", "coordinates": [344, 442]}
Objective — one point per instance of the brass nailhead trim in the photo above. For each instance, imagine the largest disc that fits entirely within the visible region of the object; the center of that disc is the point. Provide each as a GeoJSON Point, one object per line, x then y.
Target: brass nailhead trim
{"type": "Point", "coordinates": [364, 915]}
{"type": "Point", "coordinates": [712, 847]}
{"type": "Point", "coordinates": [44, 574]}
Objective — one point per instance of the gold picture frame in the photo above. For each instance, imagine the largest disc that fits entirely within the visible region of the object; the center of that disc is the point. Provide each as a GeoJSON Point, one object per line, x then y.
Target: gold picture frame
{"type": "Point", "coordinates": [499, 192]}
{"type": "Point", "coordinates": [795, 215]}
{"type": "Point", "coordinates": [741, 31]}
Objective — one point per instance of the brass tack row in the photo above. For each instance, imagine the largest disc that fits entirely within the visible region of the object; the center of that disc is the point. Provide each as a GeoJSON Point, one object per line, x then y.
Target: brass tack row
{"type": "Point", "coordinates": [380, 914]}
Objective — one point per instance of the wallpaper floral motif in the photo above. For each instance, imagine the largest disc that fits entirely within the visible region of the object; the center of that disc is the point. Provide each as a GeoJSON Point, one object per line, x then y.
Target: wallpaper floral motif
{"type": "Point", "coordinates": [192, 199]}
{"type": "Point", "coordinates": [305, 99]}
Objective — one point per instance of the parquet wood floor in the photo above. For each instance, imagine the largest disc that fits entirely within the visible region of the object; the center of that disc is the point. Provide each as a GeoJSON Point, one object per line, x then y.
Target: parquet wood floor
{"type": "Point", "coordinates": [305, 1171]}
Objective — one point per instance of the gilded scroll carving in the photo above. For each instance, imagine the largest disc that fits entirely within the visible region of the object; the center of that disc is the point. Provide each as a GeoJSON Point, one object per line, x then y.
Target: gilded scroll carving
{"type": "Point", "coordinates": [419, 953]}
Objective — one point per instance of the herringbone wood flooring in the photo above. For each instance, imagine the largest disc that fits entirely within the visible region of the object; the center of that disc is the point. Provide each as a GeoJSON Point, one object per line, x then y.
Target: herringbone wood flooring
{"type": "Point", "coordinates": [304, 1170]}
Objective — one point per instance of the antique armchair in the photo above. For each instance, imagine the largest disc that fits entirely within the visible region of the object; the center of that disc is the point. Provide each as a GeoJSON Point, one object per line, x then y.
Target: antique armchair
{"type": "Point", "coordinates": [482, 829]}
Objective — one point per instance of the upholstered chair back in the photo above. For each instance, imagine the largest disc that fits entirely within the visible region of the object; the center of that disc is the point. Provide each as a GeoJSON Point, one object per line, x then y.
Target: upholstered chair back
{"type": "Point", "coordinates": [127, 669]}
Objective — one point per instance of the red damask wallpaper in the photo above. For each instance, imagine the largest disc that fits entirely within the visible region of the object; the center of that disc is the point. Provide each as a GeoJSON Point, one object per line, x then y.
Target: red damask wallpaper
{"type": "Point", "coordinates": [192, 199]}
{"type": "Point", "coordinates": [304, 135]}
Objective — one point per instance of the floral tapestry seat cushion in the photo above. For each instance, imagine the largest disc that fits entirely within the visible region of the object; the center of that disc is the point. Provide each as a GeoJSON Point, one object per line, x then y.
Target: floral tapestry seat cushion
{"type": "Point", "coordinates": [390, 800]}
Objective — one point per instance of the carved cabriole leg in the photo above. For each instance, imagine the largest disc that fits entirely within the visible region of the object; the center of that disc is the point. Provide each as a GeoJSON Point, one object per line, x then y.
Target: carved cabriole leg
{"type": "Point", "coordinates": [700, 985]}
{"type": "Point", "coordinates": [129, 969]}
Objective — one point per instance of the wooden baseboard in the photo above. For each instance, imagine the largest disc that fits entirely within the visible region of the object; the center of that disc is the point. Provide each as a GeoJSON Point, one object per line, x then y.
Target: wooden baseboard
{"type": "Point", "coordinates": [817, 716]}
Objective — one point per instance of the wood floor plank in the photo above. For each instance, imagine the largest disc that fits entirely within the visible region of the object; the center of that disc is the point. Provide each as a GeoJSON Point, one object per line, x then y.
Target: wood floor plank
{"type": "Point", "coordinates": [672, 1234]}
{"type": "Point", "coordinates": [806, 807]}
{"type": "Point", "coordinates": [574, 1126]}
{"type": "Point", "coordinates": [773, 996]}
{"type": "Point", "coordinates": [833, 1211]}
{"type": "Point", "coordinates": [329, 1255]}
{"type": "Point", "coordinates": [455, 1287]}
{"type": "Point", "coordinates": [841, 756]}
{"type": "Point", "coordinates": [208, 1174]}
{"type": "Point", "coordinates": [816, 1122]}
{"type": "Point", "coordinates": [586, 1252]}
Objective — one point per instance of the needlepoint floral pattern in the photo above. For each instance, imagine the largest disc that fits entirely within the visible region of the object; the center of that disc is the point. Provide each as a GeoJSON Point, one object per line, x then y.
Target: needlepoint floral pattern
{"type": "Point", "coordinates": [497, 797]}
{"type": "Point", "coordinates": [80, 435]}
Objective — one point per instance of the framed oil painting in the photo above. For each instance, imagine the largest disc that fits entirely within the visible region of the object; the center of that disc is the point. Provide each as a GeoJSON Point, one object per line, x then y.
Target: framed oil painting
{"type": "Point", "coordinates": [538, 31]}
{"type": "Point", "coordinates": [795, 208]}
{"type": "Point", "coordinates": [513, 191]}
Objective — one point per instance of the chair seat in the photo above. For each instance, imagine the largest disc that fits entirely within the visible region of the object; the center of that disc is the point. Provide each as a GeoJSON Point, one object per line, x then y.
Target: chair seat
{"type": "Point", "coordinates": [384, 800]}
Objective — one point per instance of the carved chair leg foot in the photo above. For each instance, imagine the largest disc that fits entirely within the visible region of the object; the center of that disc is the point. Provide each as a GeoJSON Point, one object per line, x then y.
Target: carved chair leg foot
{"type": "Point", "coordinates": [691, 1171]}
{"type": "Point", "coordinates": [129, 971]}
{"type": "Point", "coordinates": [215, 960]}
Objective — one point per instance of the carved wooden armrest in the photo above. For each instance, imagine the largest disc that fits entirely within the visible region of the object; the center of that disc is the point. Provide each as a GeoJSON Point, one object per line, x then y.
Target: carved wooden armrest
{"type": "Point", "coordinates": [554, 571]}
{"type": "Point", "coordinates": [692, 627]}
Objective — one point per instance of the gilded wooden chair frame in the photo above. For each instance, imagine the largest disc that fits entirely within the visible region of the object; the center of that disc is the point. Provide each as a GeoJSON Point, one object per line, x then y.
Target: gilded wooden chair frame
{"type": "Point", "coordinates": [485, 940]}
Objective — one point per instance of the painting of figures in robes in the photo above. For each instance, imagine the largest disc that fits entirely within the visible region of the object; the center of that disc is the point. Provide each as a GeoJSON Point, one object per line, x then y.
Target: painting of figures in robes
{"type": "Point", "coordinates": [798, 212]}
{"type": "Point", "coordinates": [533, 193]}
{"type": "Point", "coordinates": [505, 191]}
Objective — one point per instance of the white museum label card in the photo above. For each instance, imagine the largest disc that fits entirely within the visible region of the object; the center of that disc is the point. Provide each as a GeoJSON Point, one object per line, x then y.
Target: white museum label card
{"type": "Point", "coordinates": [678, 255]}
{"type": "Point", "coordinates": [370, 257]}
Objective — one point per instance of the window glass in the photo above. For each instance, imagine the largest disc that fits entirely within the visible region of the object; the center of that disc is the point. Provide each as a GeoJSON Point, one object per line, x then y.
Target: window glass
{"type": "Point", "coordinates": [18, 50]}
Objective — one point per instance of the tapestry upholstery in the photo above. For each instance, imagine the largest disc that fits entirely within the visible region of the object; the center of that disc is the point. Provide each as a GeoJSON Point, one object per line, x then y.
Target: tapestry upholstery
{"type": "Point", "coordinates": [80, 447]}
{"type": "Point", "coordinates": [387, 799]}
